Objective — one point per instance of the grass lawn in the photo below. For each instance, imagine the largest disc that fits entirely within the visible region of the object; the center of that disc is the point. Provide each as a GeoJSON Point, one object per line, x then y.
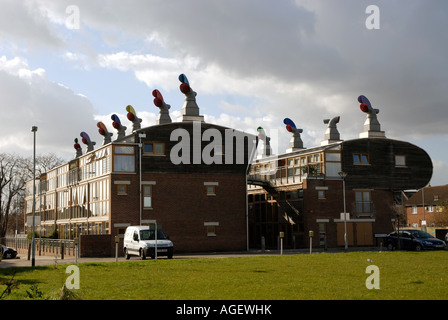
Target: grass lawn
{"type": "Point", "coordinates": [402, 275]}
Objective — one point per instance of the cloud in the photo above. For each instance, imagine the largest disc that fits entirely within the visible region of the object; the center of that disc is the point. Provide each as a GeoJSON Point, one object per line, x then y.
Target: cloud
{"type": "Point", "coordinates": [26, 22]}
{"type": "Point", "coordinates": [29, 99]}
{"type": "Point", "coordinates": [255, 60]}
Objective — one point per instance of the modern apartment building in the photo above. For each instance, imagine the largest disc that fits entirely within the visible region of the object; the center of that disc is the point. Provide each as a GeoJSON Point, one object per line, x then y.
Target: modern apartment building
{"type": "Point", "coordinates": [197, 181]}
{"type": "Point", "coordinates": [188, 176]}
{"type": "Point", "coordinates": [338, 188]}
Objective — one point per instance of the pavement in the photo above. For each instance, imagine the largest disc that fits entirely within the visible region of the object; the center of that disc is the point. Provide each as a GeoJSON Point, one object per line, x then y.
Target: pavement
{"type": "Point", "coordinates": [22, 259]}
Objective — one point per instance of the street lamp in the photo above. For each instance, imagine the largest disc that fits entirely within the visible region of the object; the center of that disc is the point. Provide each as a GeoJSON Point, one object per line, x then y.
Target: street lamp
{"type": "Point", "coordinates": [140, 145]}
{"type": "Point", "coordinates": [343, 175]}
{"type": "Point", "coordinates": [34, 130]}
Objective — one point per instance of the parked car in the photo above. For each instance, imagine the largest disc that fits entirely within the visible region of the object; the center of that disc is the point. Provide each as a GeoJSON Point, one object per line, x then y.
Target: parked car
{"type": "Point", "coordinates": [8, 253]}
{"type": "Point", "coordinates": [140, 241]}
{"type": "Point", "coordinates": [411, 239]}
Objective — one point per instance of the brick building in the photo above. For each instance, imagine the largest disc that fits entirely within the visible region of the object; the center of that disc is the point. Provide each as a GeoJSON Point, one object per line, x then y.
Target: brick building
{"type": "Point", "coordinates": [195, 179]}
{"type": "Point", "coordinates": [425, 207]}
{"type": "Point", "coordinates": [189, 176]}
{"type": "Point", "coordinates": [302, 190]}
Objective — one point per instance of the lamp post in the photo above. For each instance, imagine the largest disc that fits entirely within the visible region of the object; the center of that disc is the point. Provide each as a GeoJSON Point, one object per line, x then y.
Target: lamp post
{"type": "Point", "coordinates": [140, 145]}
{"type": "Point", "coordinates": [343, 175]}
{"type": "Point", "coordinates": [34, 130]}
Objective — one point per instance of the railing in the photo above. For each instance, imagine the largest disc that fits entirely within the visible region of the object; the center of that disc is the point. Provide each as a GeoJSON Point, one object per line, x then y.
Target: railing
{"type": "Point", "coordinates": [43, 246]}
{"type": "Point", "coordinates": [280, 175]}
{"type": "Point", "coordinates": [363, 209]}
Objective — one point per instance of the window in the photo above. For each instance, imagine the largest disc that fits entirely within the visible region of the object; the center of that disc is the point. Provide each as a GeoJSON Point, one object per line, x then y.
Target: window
{"type": "Point", "coordinates": [210, 188]}
{"type": "Point", "coordinates": [79, 201]}
{"type": "Point", "coordinates": [122, 189]}
{"type": "Point", "coordinates": [124, 159]}
{"type": "Point", "coordinates": [211, 191]}
{"type": "Point", "coordinates": [400, 161]}
{"type": "Point", "coordinates": [147, 197]}
{"type": "Point", "coordinates": [99, 198]}
{"type": "Point", "coordinates": [211, 231]}
{"type": "Point", "coordinates": [363, 203]}
{"type": "Point", "coordinates": [360, 158]}
{"type": "Point", "coordinates": [291, 195]}
{"type": "Point", "coordinates": [211, 228]}
{"type": "Point", "coordinates": [155, 148]}
{"type": "Point", "coordinates": [430, 208]}
{"type": "Point", "coordinates": [321, 194]}
{"type": "Point", "coordinates": [414, 209]}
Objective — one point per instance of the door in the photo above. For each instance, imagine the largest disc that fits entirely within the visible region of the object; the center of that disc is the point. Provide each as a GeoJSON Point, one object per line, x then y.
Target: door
{"type": "Point", "coordinates": [364, 234]}
{"type": "Point", "coordinates": [134, 242]}
{"type": "Point", "coordinates": [407, 242]}
{"type": "Point", "coordinates": [341, 231]}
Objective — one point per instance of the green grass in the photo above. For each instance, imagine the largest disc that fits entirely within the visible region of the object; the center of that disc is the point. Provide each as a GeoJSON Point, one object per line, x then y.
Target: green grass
{"type": "Point", "coordinates": [403, 275]}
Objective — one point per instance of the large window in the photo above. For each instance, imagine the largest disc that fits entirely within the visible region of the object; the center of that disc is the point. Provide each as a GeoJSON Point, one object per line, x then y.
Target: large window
{"type": "Point", "coordinates": [124, 159]}
{"type": "Point", "coordinates": [52, 180]}
{"type": "Point", "coordinates": [99, 198]}
{"type": "Point", "coordinates": [63, 210]}
{"type": "Point", "coordinates": [50, 207]}
{"type": "Point", "coordinates": [79, 201]}
{"type": "Point", "coordinates": [62, 176]}
{"type": "Point", "coordinates": [363, 202]}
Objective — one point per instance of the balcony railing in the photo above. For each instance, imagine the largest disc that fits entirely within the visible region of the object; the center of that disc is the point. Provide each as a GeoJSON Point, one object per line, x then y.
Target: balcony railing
{"type": "Point", "coordinates": [363, 209]}
{"type": "Point", "coordinates": [282, 175]}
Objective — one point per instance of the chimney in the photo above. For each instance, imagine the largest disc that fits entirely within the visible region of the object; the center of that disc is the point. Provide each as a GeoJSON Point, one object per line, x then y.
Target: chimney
{"type": "Point", "coordinates": [265, 149]}
{"type": "Point", "coordinates": [120, 128]}
{"type": "Point", "coordinates": [78, 149]}
{"type": "Point", "coordinates": [86, 140]}
{"type": "Point", "coordinates": [372, 128]}
{"type": "Point", "coordinates": [132, 116]}
{"type": "Point", "coordinates": [104, 132]}
{"type": "Point", "coordinates": [190, 110]}
{"type": "Point", "coordinates": [164, 115]}
{"type": "Point", "coordinates": [331, 134]}
{"type": "Point", "coordinates": [296, 142]}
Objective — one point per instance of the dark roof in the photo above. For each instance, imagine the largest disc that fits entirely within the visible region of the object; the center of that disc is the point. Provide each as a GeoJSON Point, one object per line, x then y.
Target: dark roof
{"type": "Point", "coordinates": [432, 196]}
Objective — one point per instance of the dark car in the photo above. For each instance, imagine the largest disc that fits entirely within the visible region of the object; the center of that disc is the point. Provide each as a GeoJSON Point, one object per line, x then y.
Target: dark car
{"type": "Point", "coordinates": [8, 253]}
{"type": "Point", "coordinates": [411, 239]}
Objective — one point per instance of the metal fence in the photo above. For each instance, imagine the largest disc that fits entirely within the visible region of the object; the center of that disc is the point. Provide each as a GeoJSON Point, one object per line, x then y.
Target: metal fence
{"type": "Point", "coordinates": [43, 246]}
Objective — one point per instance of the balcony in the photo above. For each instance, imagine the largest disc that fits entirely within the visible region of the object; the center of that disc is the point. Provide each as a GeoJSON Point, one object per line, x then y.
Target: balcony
{"type": "Point", "coordinates": [280, 176]}
{"type": "Point", "coordinates": [363, 209]}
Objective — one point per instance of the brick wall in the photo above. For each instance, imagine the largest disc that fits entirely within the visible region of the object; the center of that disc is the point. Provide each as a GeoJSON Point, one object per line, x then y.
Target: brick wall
{"type": "Point", "coordinates": [181, 205]}
{"type": "Point", "coordinates": [96, 246]}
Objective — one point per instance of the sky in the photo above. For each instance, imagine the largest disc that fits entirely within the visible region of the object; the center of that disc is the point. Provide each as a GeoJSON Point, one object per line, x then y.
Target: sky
{"type": "Point", "coordinates": [67, 64]}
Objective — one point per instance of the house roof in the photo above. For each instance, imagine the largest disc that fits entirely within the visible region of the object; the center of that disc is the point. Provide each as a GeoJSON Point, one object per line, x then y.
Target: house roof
{"type": "Point", "coordinates": [432, 195]}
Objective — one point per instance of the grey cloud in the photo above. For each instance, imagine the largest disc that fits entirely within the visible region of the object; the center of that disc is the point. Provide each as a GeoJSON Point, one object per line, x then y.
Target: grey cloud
{"type": "Point", "coordinates": [323, 44]}
{"type": "Point", "coordinates": [32, 100]}
{"type": "Point", "coordinates": [22, 22]}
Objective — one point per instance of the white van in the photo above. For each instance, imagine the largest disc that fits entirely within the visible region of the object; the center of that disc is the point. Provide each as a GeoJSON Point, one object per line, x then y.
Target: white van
{"type": "Point", "coordinates": [140, 241]}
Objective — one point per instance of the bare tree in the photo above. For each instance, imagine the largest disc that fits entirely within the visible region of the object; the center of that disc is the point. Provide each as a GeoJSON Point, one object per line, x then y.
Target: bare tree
{"type": "Point", "coordinates": [14, 172]}
{"type": "Point", "coordinates": [440, 217]}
